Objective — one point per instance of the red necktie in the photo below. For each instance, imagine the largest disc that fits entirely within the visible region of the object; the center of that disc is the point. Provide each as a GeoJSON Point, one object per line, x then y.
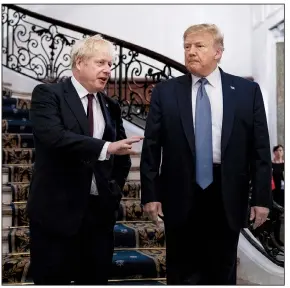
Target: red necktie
{"type": "Point", "coordinates": [90, 114]}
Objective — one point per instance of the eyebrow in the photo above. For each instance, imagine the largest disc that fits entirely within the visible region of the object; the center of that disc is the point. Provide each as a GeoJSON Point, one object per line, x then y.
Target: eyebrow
{"type": "Point", "coordinates": [103, 59]}
{"type": "Point", "coordinates": [198, 42]}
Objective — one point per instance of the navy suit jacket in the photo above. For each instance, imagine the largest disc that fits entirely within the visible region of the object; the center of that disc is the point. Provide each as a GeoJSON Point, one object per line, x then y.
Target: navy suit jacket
{"type": "Point", "coordinates": [245, 149]}
{"type": "Point", "coordinates": [67, 157]}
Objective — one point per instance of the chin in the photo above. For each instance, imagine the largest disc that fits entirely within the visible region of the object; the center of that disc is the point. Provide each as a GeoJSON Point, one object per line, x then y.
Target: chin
{"type": "Point", "coordinates": [193, 70]}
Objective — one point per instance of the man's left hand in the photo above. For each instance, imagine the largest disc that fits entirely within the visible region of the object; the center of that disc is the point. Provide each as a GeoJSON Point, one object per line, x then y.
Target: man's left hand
{"type": "Point", "coordinates": [260, 215]}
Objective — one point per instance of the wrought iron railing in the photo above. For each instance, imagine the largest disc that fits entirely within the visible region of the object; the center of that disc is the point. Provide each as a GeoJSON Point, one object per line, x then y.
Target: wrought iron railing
{"type": "Point", "coordinates": [273, 248]}
{"type": "Point", "coordinates": [39, 47]}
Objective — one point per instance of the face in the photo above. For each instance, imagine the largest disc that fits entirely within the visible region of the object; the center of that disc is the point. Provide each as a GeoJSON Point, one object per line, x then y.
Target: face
{"type": "Point", "coordinates": [94, 72]}
{"type": "Point", "coordinates": [201, 53]}
{"type": "Point", "coordinates": [279, 152]}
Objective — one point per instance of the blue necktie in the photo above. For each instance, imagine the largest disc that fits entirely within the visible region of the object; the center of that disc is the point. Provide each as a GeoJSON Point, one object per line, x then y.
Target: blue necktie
{"type": "Point", "coordinates": [203, 137]}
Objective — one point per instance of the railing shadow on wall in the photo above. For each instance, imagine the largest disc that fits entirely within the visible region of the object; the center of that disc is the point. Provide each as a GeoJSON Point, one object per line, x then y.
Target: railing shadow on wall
{"type": "Point", "coordinates": [39, 47]}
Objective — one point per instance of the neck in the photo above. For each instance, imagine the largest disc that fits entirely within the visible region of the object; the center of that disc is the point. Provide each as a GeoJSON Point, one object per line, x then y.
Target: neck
{"type": "Point", "coordinates": [206, 73]}
{"type": "Point", "coordinates": [278, 160]}
{"type": "Point", "coordinates": [79, 79]}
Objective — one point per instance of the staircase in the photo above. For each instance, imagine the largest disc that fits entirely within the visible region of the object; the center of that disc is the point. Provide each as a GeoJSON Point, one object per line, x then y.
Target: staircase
{"type": "Point", "coordinates": [139, 255]}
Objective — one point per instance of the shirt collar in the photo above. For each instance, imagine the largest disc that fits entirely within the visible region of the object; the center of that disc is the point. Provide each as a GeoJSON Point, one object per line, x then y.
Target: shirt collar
{"type": "Point", "coordinates": [81, 90]}
{"type": "Point", "coordinates": [212, 78]}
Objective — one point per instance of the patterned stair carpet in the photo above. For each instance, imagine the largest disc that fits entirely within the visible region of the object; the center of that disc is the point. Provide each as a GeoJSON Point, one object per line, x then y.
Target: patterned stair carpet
{"type": "Point", "coordinates": [139, 256]}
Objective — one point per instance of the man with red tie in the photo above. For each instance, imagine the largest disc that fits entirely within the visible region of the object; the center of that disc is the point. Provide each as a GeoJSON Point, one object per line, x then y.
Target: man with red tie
{"type": "Point", "coordinates": [82, 162]}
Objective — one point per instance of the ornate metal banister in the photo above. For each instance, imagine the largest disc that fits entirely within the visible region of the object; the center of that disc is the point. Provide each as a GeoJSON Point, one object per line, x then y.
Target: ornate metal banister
{"type": "Point", "coordinates": [39, 46]}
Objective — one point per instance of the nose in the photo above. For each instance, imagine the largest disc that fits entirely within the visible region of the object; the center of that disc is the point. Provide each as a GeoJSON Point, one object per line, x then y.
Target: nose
{"type": "Point", "coordinates": [107, 69]}
{"type": "Point", "coordinates": [192, 50]}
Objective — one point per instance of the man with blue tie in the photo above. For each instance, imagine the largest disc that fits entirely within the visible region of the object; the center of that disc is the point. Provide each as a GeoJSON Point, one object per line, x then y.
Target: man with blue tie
{"type": "Point", "coordinates": [208, 130]}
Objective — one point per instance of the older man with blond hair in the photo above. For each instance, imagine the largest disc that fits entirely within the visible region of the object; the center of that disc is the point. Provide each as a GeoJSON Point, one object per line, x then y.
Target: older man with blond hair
{"type": "Point", "coordinates": [212, 131]}
{"type": "Point", "coordinates": [82, 162]}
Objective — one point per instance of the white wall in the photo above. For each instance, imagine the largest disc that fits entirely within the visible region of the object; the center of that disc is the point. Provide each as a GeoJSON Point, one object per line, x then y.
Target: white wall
{"type": "Point", "coordinates": [19, 82]}
{"type": "Point", "coordinates": [264, 58]}
{"type": "Point", "coordinates": [160, 27]}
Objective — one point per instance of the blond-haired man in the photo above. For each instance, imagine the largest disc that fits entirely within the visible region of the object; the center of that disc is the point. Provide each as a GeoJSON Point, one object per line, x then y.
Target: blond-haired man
{"type": "Point", "coordinates": [82, 161]}
{"type": "Point", "coordinates": [212, 129]}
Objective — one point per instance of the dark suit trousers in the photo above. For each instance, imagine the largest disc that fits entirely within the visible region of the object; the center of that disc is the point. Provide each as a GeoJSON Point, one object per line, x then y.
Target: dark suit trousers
{"type": "Point", "coordinates": [203, 249]}
{"type": "Point", "coordinates": [85, 258]}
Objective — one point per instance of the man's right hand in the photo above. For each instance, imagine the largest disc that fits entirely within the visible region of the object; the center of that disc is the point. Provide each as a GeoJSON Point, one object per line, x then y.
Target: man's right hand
{"type": "Point", "coordinates": [153, 209]}
{"type": "Point", "coordinates": [124, 147]}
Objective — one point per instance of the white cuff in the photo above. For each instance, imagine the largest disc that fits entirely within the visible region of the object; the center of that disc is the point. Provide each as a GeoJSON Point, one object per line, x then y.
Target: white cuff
{"type": "Point", "coordinates": [104, 155]}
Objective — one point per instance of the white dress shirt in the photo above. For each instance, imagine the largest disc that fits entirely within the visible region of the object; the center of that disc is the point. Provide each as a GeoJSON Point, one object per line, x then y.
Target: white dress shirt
{"type": "Point", "coordinates": [99, 123]}
{"type": "Point", "coordinates": [215, 95]}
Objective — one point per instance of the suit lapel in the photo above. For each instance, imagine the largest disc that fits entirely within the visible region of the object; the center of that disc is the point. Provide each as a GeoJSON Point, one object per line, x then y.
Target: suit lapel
{"type": "Point", "coordinates": [184, 100]}
{"type": "Point", "coordinates": [73, 100]}
{"type": "Point", "coordinates": [109, 124]}
{"type": "Point", "coordinates": [229, 91]}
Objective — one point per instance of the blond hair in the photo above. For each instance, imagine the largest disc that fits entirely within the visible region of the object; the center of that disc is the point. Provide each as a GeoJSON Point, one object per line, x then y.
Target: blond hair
{"type": "Point", "coordinates": [89, 46]}
{"type": "Point", "coordinates": [210, 28]}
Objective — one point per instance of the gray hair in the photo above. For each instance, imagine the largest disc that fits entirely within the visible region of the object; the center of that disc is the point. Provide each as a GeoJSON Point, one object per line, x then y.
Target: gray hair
{"type": "Point", "coordinates": [89, 46]}
{"type": "Point", "coordinates": [210, 28]}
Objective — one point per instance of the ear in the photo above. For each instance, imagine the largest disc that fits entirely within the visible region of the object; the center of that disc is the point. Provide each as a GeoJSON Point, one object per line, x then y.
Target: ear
{"type": "Point", "coordinates": [78, 63]}
{"type": "Point", "coordinates": [219, 53]}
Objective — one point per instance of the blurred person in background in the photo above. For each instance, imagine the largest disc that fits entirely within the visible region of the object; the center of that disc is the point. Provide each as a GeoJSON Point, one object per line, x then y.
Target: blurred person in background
{"type": "Point", "coordinates": [278, 192]}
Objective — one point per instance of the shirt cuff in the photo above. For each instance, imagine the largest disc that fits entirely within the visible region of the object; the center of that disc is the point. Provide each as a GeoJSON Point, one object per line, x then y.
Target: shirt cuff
{"type": "Point", "coordinates": [104, 155]}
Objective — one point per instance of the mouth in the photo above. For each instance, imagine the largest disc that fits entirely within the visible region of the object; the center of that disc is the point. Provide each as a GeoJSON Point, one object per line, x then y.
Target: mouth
{"type": "Point", "coordinates": [103, 79]}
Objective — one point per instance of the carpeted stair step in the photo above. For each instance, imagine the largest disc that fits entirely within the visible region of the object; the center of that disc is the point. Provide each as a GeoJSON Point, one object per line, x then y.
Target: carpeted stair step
{"type": "Point", "coordinates": [10, 113]}
{"type": "Point", "coordinates": [126, 235]}
{"type": "Point", "coordinates": [126, 282]}
{"type": "Point", "coordinates": [14, 214]}
{"type": "Point", "coordinates": [6, 92]}
{"type": "Point", "coordinates": [135, 160]}
{"type": "Point", "coordinates": [126, 264]}
{"type": "Point", "coordinates": [18, 103]}
{"type": "Point", "coordinates": [139, 264]}
{"type": "Point", "coordinates": [18, 192]}
{"type": "Point", "coordinates": [18, 156]}
{"type": "Point", "coordinates": [132, 189]}
{"type": "Point", "coordinates": [27, 156]}
{"type": "Point", "coordinates": [15, 192]}
{"type": "Point", "coordinates": [131, 210]}
{"type": "Point", "coordinates": [5, 175]}
{"type": "Point", "coordinates": [138, 282]}
{"type": "Point", "coordinates": [19, 172]}
{"type": "Point", "coordinates": [17, 141]}
{"type": "Point", "coordinates": [16, 126]}
{"type": "Point", "coordinates": [23, 173]}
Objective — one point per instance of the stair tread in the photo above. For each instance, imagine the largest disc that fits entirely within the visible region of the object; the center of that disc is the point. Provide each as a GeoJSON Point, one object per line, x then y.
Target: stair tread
{"type": "Point", "coordinates": [127, 235]}
{"type": "Point", "coordinates": [19, 190]}
{"type": "Point", "coordinates": [28, 165]}
{"type": "Point", "coordinates": [126, 264]}
{"type": "Point", "coordinates": [18, 149]}
{"type": "Point", "coordinates": [129, 210]}
{"type": "Point", "coordinates": [124, 201]}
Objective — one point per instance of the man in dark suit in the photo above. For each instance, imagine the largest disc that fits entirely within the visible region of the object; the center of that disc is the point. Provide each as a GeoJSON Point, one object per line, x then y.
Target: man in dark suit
{"type": "Point", "coordinates": [208, 130]}
{"type": "Point", "coordinates": [82, 162]}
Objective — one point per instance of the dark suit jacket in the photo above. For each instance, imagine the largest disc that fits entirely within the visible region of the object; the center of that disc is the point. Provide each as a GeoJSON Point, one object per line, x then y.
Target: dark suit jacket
{"type": "Point", "coordinates": [245, 151]}
{"type": "Point", "coordinates": [67, 157]}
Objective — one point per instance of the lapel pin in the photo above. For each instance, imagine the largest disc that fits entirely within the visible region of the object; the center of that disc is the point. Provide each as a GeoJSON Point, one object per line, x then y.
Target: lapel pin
{"type": "Point", "coordinates": [232, 87]}
{"type": "Point", "coordinates": [107, 105]}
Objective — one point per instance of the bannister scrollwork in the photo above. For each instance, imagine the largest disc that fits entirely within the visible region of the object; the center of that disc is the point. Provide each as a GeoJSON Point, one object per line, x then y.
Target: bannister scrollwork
{"type": "Point", "coordinates": [39, 47]}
